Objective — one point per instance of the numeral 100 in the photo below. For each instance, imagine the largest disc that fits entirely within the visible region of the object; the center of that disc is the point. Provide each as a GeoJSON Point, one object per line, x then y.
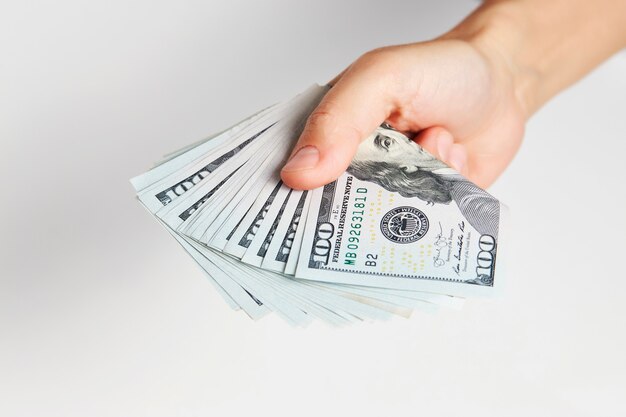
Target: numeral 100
{"type": "Point", "coordinates": [485, 258]}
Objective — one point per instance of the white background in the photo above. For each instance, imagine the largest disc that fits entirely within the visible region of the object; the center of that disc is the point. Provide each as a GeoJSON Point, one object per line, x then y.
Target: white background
{"type": "Point", "coordinates": [102, 314]}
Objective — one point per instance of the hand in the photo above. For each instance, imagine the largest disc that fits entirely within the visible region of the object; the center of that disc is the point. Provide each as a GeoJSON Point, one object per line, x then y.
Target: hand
{"type": "Point", "coordinates": [454, 97]}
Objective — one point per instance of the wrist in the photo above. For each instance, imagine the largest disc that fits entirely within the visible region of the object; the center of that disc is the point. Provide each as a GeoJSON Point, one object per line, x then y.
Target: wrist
{"type": "Point", "coordinates": [544, 46]}
{"type": "Point", "coordinates": [498, 31]}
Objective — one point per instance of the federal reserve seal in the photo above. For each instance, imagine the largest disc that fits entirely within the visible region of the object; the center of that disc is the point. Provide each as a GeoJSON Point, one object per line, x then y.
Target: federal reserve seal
{"type": "Point", "coordinates": [404, 225]}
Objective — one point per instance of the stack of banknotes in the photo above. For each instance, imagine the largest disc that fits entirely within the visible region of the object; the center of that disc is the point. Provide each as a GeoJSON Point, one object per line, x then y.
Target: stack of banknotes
{"type": "Point", "coordinates": [398, 231]}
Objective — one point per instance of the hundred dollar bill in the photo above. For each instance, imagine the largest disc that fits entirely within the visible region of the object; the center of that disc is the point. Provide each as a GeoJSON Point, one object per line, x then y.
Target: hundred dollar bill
{"type": "Point", "coordinates": [279, 248]}
{"type": "Point", "coordinates": [398, 231]}
{"type": "Point", "coordinates": [177, 160]}
{"type": "Point", "coordinates": [296, 238]}
{"type": "Point", "coordinates": [239, 239]}
{"type": "Point", "coordinates": [219, 152]}
{"type": "Point", "coordinates": [239, 196]}
{"type": "Point", "coordinates": [192, 148]}
{"type": "Point", "coordinates": [220, 196]}
{"type": "Point", "coordinates": [197, 204]}
{"type": "Point", "coordinates": [401, 219]}
{"type": "Point", "coordinates": [235, 295]}
{"type": "Point", "coordinates": [294, 300]}
{"type": "Point", "coordinates": [264, 235]}
{"type": "Point", "coordinates": [221, 230]}
{"type": "Point", "coordinates": [175, 185]}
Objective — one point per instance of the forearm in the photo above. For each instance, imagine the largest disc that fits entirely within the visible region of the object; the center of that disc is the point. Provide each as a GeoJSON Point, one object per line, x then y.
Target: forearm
{"type": "Point", "coordinates": [546, 45]}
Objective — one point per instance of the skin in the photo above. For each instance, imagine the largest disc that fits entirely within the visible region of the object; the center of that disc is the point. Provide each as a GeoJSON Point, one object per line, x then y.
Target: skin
{"type": "Point", "coordinates": [465, 96]}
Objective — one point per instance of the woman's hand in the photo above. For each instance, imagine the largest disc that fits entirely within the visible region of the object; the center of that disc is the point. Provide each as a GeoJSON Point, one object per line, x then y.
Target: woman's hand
{"type": "Point", "coordinates": [456, 99]}
{"type": "Point", "coordinates": [465, 96]}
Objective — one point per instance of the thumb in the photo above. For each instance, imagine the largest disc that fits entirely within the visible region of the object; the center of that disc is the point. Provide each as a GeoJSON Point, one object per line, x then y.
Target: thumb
{"type": "Point", "coordinates": [353, 108]}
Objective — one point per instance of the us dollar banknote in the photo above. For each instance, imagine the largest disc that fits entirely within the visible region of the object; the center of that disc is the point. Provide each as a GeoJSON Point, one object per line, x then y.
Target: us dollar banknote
{"type": "Point", "coordinates": [398, 231]}
{"type": "Point", "coordinates": [399, 218]}
{"type": "Point", "coordinates": [286, 243]}
{"type": "Point", "coordinates": [174, 191]}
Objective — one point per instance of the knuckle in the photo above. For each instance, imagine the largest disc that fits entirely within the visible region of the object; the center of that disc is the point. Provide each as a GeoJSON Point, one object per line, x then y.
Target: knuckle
{"type": "Point", "coordinates": [379, 55]}
{"type": "Point", "coordinates": [317, 122]}
{"type": "Point", "coordinates": [319, 118]}
{"type": "Point", "coordinates": [380, 64]}
{"type": "Point", "coordinates": [322, 122]}
{"type": "Point", "coordinates": [370, 58]}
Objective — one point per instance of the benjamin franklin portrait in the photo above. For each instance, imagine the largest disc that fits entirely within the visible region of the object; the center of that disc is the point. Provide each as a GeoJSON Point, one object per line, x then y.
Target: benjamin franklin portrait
{"type": "Point", "coordinates": [396, 163]}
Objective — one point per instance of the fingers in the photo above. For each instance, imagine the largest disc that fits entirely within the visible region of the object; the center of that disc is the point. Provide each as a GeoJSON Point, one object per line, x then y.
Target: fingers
{"type": "Point", "coordinates": [457, 159]}
{"type": "Point", "coordinates": [439, 142]}
{"type": "Point", "coordinates": [358, 102]}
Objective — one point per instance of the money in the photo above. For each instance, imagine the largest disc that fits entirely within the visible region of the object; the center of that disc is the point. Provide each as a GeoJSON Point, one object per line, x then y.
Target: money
{"type": "Point", "coordinates": [398, 231]}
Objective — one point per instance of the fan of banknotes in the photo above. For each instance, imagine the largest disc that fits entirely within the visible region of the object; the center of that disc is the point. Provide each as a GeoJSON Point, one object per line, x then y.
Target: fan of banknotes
{"type": "Point", "coordinates": [398, 231]}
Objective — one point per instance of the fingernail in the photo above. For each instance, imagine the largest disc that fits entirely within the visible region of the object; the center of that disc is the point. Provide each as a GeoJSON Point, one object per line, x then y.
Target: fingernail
{"type": "Point", "coordinates": [306, 158]}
